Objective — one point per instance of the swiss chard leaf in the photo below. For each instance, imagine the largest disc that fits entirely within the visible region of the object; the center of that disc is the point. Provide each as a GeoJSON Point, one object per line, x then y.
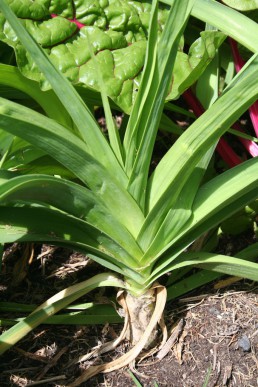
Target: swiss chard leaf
{"type": "Point", "coordinates": [119, 31]}
{"type": "Point", "coordinates": [242, 5]}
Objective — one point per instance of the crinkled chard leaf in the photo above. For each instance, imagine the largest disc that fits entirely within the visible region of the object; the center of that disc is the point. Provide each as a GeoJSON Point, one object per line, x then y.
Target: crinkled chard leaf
{"type": "Point", "coordinates": [118, 30]}
{"type": "Point", "coordinates": [189, 67]}
{"type": "Point", "coordinates": [242, 5]}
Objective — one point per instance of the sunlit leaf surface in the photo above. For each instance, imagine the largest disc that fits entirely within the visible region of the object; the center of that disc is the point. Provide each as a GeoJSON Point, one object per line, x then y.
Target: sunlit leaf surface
{"type": "Point", "coordinates": [119, 32]}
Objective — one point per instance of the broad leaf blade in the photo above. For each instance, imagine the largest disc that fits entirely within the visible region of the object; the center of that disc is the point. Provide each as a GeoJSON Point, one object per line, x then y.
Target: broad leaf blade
{"type": "Point", "coordinates": [53, 305]}
{"type": "Point", "coordinates": [221, 264]}
{"type": "Point", "coordinates": [177, 165]}
{"type": "Point", "coordinates": [181, 213]}
{"type": "Point", "coordinates": [22, 224]}
{"type": "Point", "coordinates": [70, 198]}
{"type": "Point", "coordinates": [20, 153]}
{"type": "Point", "coordinates": [189, 67]}
{"type": "Point", "coordinates": [40, 165]}
{"type": "Point", "coordinates": [114, 138]}
{"type": "Point", "coordinates": [11, 76]}
{"type": "Point", "coordinates": [119, 44]}
{"type": "Point", "coordinates": [215, 201]}
{"type": "Point", "coordinates": [98, 314]}
{"type": "Point", "coordinates": [96, 142]}
{"type": "Point", "coordinates": [205, 276]}
{"type": "Point", "coordinates": [55, 140]}
{"type": "Point", "coordinates": [151, 107]}
{"type": "Point", "coordinates": [131, 140]}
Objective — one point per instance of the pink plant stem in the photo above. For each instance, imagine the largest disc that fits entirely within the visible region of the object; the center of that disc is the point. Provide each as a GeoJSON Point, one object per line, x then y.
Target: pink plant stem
{"type": "Point", "coordinates": [75, 21]}
{"type": "Point", "coordinates": [238, 61]}
{"type": "Point", "coordinates": [227, 154]}
{"type": "Point", "coordinates": [253, 110]}
{"type": "Point", "coordinates": [224, 150]}
{"type": "Point", "coordinates": [249, 145]}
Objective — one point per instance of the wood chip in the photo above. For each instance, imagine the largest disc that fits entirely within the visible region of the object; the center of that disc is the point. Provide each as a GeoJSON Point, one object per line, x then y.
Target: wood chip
{"type": "Point", "coordinates": [171, 341]}
{"type": "Point", "coordinates": [32, 356]}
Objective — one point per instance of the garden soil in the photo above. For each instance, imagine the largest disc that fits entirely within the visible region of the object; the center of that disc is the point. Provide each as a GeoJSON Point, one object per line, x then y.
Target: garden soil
{"type": "Point", "coordinates": [215, 330]}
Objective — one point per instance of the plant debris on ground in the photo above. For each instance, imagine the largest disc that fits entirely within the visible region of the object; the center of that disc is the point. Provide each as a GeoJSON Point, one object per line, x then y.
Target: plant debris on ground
{"type": "Point", "coordinates": [106, 189]}
{"type": "Point", "coordinates": [218, 341]}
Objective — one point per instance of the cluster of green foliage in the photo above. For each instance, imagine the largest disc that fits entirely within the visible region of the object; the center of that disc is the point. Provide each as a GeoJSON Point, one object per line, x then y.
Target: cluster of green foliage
{"type": "Point", "coordinates": [65, 182]}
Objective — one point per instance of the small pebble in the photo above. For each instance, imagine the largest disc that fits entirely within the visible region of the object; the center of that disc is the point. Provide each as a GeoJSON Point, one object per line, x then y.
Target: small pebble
{"type": "Point", "coordinates": [214, 311]}
{"type": "Point", "coordinates": [244, 343]}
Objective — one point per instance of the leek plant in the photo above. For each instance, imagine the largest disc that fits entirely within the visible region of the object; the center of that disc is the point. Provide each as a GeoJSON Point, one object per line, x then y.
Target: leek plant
{"type": "Point", "coordinates": [137, 223]}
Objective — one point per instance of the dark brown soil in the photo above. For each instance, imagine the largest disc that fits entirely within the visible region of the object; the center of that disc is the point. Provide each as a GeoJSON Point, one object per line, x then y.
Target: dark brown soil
{"type": "Point", "coordinates": [218, 342]}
